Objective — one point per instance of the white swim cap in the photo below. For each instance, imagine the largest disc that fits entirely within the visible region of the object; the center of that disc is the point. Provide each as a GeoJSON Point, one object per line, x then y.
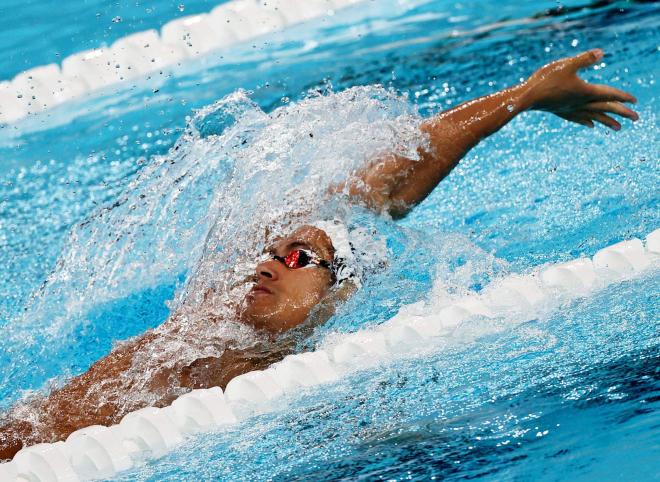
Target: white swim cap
{"type": "Point", "coordinates": [344, 262]}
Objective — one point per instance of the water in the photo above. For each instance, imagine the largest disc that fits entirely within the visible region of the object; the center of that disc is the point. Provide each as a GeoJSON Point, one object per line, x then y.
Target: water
{"type": "Point", "coordinates": [95, 202]}
{"type": "Point", "coordinates": [29, 41]}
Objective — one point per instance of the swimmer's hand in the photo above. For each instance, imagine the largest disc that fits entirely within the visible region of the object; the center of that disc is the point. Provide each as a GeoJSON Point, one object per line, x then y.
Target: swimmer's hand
{"type": "Point", "coordinates": [557, 88]}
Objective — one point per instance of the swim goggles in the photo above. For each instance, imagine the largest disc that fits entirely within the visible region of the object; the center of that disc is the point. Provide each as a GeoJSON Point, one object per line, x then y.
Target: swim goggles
{"type": "Point", "coordinates": [302, 258]}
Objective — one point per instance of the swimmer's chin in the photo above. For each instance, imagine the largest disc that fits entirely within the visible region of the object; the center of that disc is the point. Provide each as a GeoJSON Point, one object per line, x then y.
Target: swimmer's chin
{"type": "Point", "coordinates": [260, 323]}
{"type": "Point", "coordinates": [257, 310]}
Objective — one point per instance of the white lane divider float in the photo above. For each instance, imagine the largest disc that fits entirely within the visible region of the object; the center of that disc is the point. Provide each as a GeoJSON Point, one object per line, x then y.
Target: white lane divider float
{"type": "Point", "coordinates": [142, 53]}
{"type": "Point", "coordinates": [100, 452]}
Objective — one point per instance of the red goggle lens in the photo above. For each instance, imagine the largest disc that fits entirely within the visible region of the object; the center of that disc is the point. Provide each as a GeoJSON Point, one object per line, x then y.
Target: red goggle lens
{"type": "Point", "coordinates": [296, 259]}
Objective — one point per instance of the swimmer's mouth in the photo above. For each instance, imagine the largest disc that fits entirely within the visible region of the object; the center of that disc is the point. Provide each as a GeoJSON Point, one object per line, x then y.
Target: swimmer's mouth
{"type": "Point", "coordinates": [260, 290]}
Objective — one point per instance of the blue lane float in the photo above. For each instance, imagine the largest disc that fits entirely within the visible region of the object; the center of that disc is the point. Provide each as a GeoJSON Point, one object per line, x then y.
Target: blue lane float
{"type": "Point", "coordinates": [101, 452]}
{"type": "Point", "coordinates": [142, 53]}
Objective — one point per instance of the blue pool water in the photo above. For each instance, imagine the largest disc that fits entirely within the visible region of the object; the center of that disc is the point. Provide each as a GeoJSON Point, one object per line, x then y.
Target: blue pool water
{"type": "Point", "coordinates": [114, 207]}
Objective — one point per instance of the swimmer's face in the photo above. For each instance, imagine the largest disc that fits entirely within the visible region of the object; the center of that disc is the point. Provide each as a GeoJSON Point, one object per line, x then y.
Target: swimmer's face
{"type": "Point", "coordinates": [281, 297]}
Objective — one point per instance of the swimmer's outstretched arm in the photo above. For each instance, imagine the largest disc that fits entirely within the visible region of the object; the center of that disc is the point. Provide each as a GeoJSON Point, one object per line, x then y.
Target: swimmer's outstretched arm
{"type": "Point", "coordinates": [93, 398]}
{"type": "Point", "coordinates": [396, 184]}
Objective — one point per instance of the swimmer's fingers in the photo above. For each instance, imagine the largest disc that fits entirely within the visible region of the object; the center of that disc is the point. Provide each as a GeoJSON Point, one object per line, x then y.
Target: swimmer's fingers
{"type": "Point", "coordinates": [599, 117]}
{"type": "Point", "coordinates": [585, 59]}
{"type": "Point", "coordinates": [606, 121]}
{"type": "Point", "coordinates": [587, 118]}
{"type": "Point", "coordinates": [612, 108]}
{"type": "Point", "coordinates": [581, 119]}
{"type": "Point", "coordinates": [607, 93]}
{"type": "Point", "coordinates": [599, 92]}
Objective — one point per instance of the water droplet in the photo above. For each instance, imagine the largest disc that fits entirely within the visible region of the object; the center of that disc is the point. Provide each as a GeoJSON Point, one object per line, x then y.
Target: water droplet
{"type": "Point", "coordinates": [116, 19]}
{"type": "Point", "coordinates": [182, 7]}
{"type": "Point", "coordinates": [509, 108]}
{"type": "Point", "coordinates": [575, 42]}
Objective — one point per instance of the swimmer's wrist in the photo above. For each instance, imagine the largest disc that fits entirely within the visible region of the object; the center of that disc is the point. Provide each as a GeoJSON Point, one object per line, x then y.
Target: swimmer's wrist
{"type": "Point", "coordinates": [523, 98]}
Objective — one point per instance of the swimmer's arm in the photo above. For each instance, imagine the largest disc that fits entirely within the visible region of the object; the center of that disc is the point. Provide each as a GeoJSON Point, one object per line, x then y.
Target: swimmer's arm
{"type": "Point", "coordinates": [91, 398]}
{"type": "Point", "coordinates": [88, 399]}
{"type": "Point", "coordinates": [396, 184]}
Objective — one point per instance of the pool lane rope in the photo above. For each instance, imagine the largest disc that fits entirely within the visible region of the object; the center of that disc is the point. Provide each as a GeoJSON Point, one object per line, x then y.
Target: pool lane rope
{"type": "Point", "coordinates": [100, 452]}
{"type": "Point", "coordinates": [143, 53]}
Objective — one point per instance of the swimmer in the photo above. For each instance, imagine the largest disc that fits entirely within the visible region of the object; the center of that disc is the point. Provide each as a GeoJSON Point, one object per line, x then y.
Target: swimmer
{"type": "Point", "coordinates": [304, 270]}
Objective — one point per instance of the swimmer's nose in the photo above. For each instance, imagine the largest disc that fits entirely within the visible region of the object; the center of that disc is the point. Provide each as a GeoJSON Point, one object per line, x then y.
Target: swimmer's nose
{"type": "Point", "coordinates": [267, 270]}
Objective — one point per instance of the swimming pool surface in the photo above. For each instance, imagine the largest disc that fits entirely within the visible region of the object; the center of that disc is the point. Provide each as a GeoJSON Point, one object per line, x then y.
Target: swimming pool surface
{"type": "Point", "coordinates": [103, 221]}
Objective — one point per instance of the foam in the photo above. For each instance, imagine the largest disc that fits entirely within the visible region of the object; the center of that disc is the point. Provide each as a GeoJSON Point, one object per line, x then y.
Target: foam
{"type": "Point", "coordinates": [144, 52]}
{"type": "Point", "coordinates": [100, 452]}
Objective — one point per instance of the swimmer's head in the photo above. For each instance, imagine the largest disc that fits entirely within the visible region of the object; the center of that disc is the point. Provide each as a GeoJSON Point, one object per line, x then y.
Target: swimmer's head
{"type": "Point", "coordinates": [288, 285]}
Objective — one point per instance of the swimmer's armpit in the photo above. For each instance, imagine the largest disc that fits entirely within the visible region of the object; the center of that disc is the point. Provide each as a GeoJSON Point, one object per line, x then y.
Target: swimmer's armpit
{"type": "Point", "coordinates": [395, 184]}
